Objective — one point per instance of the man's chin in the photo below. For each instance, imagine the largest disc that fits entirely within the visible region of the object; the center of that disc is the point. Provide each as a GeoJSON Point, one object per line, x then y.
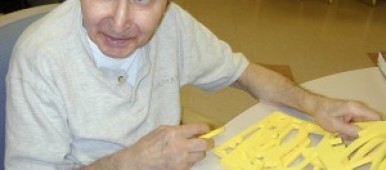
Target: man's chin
{"type": "Point", "coordinates": [117, 53]}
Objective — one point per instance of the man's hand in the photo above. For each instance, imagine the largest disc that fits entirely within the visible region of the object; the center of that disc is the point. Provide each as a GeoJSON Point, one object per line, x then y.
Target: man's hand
{"type": "Point", "coordinates": [338, 115]}
{"type": "Point", "coordinates": [332, 114]}
{"type": "Point", "coordinates": [167, 148]}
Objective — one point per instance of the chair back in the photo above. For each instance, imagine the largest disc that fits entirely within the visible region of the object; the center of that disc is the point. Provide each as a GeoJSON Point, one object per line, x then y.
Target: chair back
{"type": "Point", "coordinates": [11, 26]}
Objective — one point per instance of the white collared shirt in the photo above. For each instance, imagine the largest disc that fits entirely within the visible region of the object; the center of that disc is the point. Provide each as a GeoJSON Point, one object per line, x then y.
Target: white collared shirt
{"type": "Point", "coordinates": [128, 65]}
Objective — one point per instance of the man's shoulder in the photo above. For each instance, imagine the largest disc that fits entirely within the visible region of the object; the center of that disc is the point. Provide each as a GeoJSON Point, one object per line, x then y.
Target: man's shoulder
{"type": "Point", "coordinates": [55, 28]}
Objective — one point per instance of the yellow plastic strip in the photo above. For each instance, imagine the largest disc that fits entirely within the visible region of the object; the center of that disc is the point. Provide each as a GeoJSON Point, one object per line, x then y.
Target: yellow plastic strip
{"type": "Point", "coordinates": [213, 133]}
{"type": "Point", "coordinates": [283, 142]}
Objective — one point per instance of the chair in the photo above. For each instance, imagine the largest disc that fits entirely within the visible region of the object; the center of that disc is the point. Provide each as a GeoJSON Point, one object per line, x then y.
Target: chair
{"type": "Point", "coordinates": [11, 26]}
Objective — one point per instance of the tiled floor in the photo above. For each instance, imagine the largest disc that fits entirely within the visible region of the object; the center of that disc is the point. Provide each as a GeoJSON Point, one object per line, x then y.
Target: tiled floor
{"type": "Point", "coordinates": [313, 37]}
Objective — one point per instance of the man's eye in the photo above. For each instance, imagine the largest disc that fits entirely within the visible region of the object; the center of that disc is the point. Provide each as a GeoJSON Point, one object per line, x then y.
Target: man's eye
{"type": "Point", "coordinates": [144, 2]}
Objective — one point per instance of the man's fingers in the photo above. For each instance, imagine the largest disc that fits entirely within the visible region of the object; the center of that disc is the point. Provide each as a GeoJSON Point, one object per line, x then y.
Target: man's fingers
{"type": "Point", "coordinates": [193, 130]}
{"type": "Point", "coordinates": [365, 113]}
{"type": "Point", "coordinates": [372, 116]}
{"type": "Point", "coordinates": [196, 156]}
{"type": "Point", "coordinates": [347, 130]}
{"type": "Point", "coordinates": [199, 145]}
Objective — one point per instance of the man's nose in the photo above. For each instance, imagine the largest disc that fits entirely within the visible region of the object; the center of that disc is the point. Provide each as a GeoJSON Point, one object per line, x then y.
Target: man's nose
{"type": "Point", "coordinates": [121, 16]}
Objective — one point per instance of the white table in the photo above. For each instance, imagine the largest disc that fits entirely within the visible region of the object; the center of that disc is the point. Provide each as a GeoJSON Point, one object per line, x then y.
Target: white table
{"type": "Point", "coordinates": [367, 85]}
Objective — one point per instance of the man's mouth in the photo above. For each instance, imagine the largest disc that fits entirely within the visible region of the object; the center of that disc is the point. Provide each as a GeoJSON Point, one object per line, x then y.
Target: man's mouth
{"type": "Point", "coordinates": [116, 41]}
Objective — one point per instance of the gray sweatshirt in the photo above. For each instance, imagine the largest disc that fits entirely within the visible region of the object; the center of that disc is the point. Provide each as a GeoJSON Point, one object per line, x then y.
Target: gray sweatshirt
{"type": "Point", "coordinates": [65, 112]}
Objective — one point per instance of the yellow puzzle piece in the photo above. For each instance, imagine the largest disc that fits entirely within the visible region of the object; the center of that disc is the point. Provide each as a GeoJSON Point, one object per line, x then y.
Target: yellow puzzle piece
{"type": "Point", "coordinates": [283, 142]}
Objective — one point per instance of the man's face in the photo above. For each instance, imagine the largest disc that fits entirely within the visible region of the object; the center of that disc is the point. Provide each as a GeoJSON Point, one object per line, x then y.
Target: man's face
{"type": "Point", "coordinates": [119, 27]}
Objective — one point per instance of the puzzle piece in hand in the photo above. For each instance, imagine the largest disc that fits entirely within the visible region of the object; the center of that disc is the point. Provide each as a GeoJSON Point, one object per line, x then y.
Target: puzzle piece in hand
{"type": "Point", "coordinates": [284, 142]}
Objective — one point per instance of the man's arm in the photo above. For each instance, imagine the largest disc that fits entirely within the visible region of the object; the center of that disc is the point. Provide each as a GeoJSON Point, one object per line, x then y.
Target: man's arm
{"type": "Point", "coordinates": [332, 114]}
{"type": "Point", "coordinates": [166, 148]}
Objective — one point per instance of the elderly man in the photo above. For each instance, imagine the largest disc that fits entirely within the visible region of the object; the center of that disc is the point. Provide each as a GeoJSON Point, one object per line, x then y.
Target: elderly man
{"type": "Point", "coordinates": [95, 84]}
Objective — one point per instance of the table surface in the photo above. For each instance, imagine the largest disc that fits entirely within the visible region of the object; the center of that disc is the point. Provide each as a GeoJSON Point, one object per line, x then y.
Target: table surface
{"type": "Point", "coordinates": [367, 85]}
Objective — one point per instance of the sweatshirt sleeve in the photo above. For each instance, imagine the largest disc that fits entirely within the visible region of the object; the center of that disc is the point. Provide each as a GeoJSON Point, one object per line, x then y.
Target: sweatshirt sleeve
{"type": "Point", "coordinates": [206, 61]}
{"type": "Point", "coordinates": [37, 134]}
